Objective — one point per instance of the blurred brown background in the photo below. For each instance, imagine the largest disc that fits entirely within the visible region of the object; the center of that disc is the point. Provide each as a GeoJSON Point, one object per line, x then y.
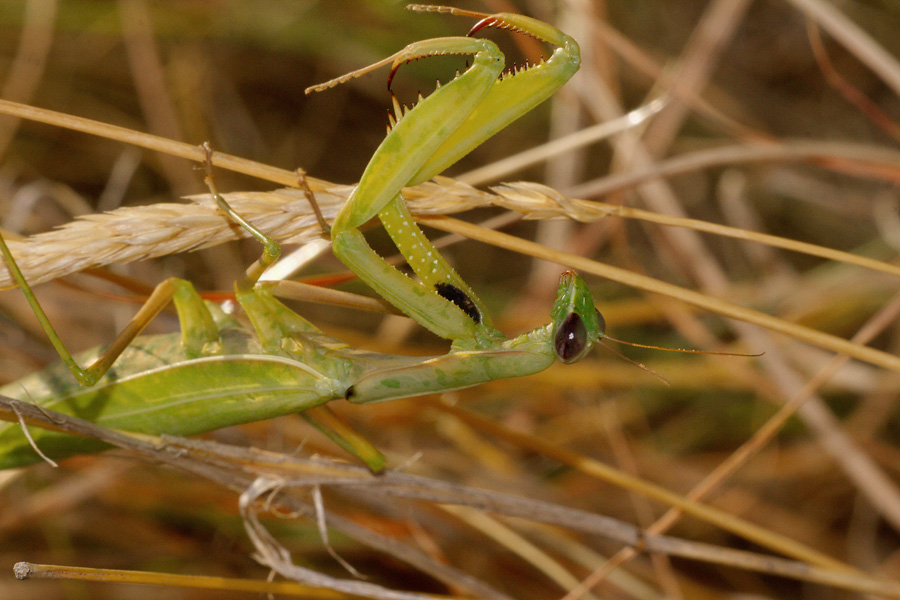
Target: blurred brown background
{"type": "Point", "coordinates": [743, 75]}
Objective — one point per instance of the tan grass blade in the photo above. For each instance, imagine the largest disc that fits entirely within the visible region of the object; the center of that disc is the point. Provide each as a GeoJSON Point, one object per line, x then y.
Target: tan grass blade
{"type": "Point", "coordinates": [138, 233]}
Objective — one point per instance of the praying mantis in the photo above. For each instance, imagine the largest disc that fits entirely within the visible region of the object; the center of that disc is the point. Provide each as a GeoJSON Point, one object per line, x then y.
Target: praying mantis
{"type": "Point", "coordinates": [218, 373]}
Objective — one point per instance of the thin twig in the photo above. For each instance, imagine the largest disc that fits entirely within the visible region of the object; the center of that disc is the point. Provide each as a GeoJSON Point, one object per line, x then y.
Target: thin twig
{"type": "Point", "coordinates": [241, 468]}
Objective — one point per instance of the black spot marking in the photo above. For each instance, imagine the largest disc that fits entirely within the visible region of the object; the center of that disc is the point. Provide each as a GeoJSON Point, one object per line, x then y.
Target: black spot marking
{"type": "Point", "coordinates": [458, 297]}
{"type": "Point", "coordinates": [350, 393]}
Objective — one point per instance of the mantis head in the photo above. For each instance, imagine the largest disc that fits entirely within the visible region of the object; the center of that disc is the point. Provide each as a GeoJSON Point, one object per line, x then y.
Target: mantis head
{"type": "Point", "coordinates": [577, 324]}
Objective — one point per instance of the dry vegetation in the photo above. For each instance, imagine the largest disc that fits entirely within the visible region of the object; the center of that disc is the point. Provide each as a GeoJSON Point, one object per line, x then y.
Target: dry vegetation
{"type": "Point", "coordinates": [782, 119]}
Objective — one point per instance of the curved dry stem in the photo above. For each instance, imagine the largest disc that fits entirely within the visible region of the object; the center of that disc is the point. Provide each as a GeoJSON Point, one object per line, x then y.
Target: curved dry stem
{"type": "Point", "coordinates": [854, 39]}
{"type": "Point", "coordinates": [138, 233]}
{"type": "Point", "coordinates": [648, 284]}
{"type": "Point", "coordinates": [130, 234]}
{"type": "Point", "coordinates": [164, 229]}
{"type": "Point", "coordinates": [243, 469]}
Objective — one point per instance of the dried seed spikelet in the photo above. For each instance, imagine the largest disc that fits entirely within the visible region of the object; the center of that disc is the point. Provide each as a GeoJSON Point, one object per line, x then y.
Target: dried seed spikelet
{"type": "Point", "coordinates": [137, 233]}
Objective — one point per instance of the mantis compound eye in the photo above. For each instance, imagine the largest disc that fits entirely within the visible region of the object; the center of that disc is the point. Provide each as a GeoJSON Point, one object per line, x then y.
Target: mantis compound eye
{"type": "Point", "coordinates": [570, 340]}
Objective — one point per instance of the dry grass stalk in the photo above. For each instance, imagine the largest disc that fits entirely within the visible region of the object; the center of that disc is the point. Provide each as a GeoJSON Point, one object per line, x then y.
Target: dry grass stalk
{"type": "Point", "coordinates": [270, 482]}
{"type": "Point", "coordinates": [138, 233]}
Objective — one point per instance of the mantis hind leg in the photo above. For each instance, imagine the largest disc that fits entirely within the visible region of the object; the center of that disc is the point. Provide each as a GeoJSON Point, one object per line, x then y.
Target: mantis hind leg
{"type": "Point", "coordinates": [198, 326]}
{"type": "Point", "coordinates": [199, 329]}
{"type": "Point", "coordinates": [339, 432]}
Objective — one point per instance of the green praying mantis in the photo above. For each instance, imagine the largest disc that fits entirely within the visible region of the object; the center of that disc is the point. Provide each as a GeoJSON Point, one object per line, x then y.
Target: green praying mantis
{"type": "Point", "coordinates": [217, 373]}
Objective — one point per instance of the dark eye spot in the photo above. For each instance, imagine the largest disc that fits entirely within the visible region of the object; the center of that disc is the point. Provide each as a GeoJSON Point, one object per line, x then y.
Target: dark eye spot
{"type": "Point", "coordinates": [459, 298]}
{"type": "Point", "coordinates": [571, 339]}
